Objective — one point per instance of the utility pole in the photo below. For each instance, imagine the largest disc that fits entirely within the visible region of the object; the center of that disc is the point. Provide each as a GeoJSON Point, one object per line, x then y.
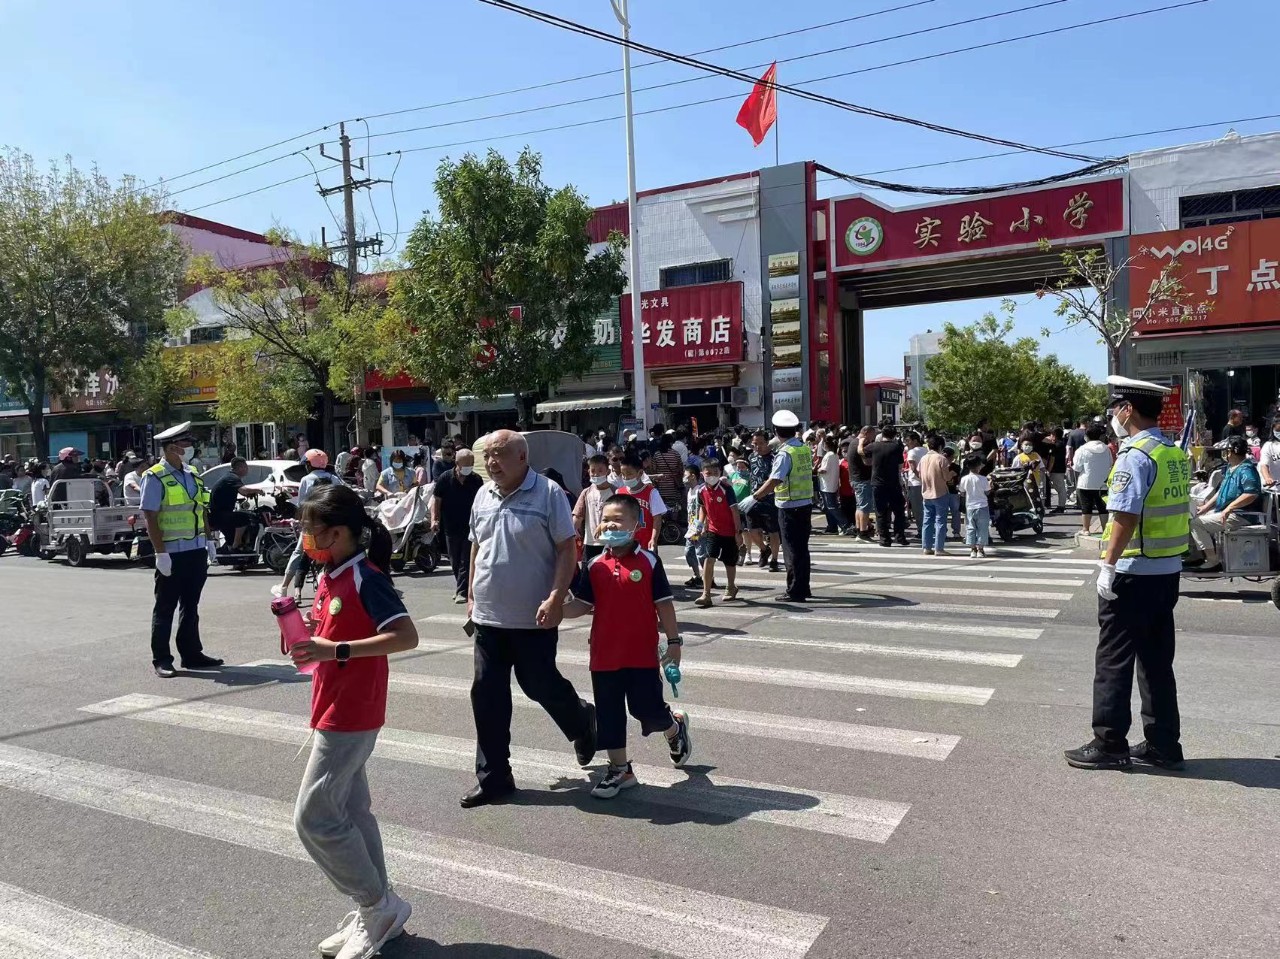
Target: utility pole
{"type": "Point", "coordinates": [353, 246]}
{"type": "Point", "coordinates": [633, 249]}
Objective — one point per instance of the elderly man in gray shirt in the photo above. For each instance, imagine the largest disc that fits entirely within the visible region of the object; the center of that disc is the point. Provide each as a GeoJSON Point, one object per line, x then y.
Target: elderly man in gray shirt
{"type": "Point", "coordinates": [523, 560]}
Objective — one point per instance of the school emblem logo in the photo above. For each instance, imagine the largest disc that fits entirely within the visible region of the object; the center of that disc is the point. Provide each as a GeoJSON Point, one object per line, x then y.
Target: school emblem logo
{"type": "Point", "coordinates": [636, 576]}
{"type": "Point", "coordinates": [335, 606]}
{"type": "Point", "coordinates": [864, 236]}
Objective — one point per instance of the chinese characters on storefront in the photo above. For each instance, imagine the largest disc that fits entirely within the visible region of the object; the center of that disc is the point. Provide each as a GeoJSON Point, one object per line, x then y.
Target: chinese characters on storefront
{"type": "Point", "coordinates": [868, 234]}
{"type": "Point", "coordinates": [687, 325]}
{"type": "Point", "coordinates": [1228, 276]}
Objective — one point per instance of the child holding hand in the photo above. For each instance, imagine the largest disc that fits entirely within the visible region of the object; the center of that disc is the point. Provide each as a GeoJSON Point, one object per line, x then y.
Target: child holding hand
{"type": "Point", "coordinates": [625, 589]}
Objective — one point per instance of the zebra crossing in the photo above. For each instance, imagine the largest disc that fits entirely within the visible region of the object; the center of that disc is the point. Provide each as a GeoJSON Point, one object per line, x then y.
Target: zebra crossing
{"type": "Point", "coordinates": [942, 656]}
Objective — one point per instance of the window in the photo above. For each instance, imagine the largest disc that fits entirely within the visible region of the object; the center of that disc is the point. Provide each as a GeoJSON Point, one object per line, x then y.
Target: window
{"type": "Point", "coordinates": [712, 271]}
{"type": "Point", "coordinates": [208, 334]}
{"type": "Point", "coordinates": [1211, 209]}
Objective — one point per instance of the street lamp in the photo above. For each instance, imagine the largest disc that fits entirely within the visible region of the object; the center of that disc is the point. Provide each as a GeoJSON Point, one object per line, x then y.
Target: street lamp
{"type": "Point", "coordinates": [637, 324]}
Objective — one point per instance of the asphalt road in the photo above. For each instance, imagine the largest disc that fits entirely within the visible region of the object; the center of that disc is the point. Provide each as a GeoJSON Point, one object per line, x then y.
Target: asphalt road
{"type": "Point", "coordinates": [878, 774]}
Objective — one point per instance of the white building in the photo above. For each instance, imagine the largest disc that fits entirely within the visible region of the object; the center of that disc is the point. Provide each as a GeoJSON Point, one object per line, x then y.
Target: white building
{"type": "Point", "coordinates": [921, 347]}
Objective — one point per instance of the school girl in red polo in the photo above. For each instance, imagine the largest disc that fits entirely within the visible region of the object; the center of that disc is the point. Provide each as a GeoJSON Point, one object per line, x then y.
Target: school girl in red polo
{"type": "Point", "coordinates": [625, 589]}
{"type": "Point", "coordinates": [357, 620]}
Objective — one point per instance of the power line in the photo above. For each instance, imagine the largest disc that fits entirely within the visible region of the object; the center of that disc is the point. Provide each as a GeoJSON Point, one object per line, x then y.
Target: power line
{"type": "Point", "coordinates": [261, 189]}
{"type": "Point", "coordinates": [646, 63]}
{"type": "Point", "coordinates": [241, 156]}
{"type": "Point", "coordinates": [701, 77]}
{"type": "Point", "coordinates": [586, 31]}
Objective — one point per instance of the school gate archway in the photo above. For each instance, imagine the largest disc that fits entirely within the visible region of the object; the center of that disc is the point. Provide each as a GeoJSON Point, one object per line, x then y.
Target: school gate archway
{"type": "Point", "coordinates": [853, 254]}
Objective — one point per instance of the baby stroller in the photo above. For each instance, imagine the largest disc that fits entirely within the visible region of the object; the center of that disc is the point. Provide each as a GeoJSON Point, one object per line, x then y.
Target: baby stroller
{"type": "Point", "coordinates": [1015, 502]}
{"type": "Point", "coordinates": [408, 520]}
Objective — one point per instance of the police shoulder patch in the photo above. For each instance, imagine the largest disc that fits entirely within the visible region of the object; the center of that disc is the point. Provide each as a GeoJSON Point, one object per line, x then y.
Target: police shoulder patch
{"type": "Point", "coordinates": [1120, 481]}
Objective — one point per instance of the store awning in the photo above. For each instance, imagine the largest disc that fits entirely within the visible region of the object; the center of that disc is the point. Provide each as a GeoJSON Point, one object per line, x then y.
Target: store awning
{"type": "Point", "coordinates": [473, 404]}
{"type": "Point", "coordinates": [582, 403]}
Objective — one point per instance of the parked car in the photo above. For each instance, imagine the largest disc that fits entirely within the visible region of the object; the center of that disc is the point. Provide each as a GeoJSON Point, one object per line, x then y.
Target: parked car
{"type": "Point", "coordinates": [265, 477]}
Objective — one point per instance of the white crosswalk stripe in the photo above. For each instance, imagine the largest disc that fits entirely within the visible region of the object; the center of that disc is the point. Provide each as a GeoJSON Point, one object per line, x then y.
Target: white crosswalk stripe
{"type": "Point", "coordinates": [1006, 660]}
{"type": "Point", "coordinates": [33, 927]}
{"type": "Point", "coordinates": [800, 678]}
{"type": "Point", "coordinates": [943, 565]}
{"type": "Point", "coordinates": [906, 585]}
{"type": "Point", "coordinates": [846, 816]}
{"type": "Point", "coordinates": [799, 729]}
{"type": "Point", "coordinates": [653, 915]}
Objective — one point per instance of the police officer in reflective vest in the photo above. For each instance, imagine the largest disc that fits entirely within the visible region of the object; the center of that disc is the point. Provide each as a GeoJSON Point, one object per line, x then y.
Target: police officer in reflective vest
{"type": "Point", "coordinates": [791, 483]}
{"type": "Point", "coordinates": [1142, 547]}
{"type": "Point", "coordinates": [175, 505]}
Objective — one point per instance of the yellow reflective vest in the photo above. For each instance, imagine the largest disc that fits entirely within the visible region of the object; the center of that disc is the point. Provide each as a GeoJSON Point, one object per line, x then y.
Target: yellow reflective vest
{"type": "Point", "coordinates": [180, 516]}
{"type": "Point", "coordinates": [798, 483]}
{"type": "Point", "coordinates": [1164, 526]}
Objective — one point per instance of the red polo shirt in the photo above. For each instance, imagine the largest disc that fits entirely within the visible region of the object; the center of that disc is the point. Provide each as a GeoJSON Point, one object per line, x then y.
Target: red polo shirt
{"type": "Point", "coordinates": [353, 601]}
{"type": "Point", "coordinates": [624, 591]}
{"type": "Point", "coordinates": [717, 507]}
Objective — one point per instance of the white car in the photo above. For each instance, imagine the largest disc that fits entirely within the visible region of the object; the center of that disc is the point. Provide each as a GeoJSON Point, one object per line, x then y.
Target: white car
{"type": "Point", "coordinates": [264, 476]}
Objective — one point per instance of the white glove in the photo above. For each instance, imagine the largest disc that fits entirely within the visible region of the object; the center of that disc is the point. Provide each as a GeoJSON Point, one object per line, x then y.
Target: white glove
{"type": "Point", "coordinates": [164, 564]}
{"type": "Point", "coordinates": [747, 504]}
{"type": "Point", "coordinates": [212, 547]}
{"type": "Point", "coordinates": [1106, 577]}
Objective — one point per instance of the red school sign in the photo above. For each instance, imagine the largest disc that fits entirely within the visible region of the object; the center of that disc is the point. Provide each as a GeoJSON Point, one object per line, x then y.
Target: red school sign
{"type": "Point", "coordinates": [867, 234]}
{"type": "Point", "coordinates": [687, 325]}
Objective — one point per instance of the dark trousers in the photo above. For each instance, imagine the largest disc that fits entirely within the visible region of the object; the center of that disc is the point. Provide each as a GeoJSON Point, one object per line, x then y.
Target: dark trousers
{"type": "Point", "coordinates": [890, 503]}
{"type": "Point", "coordinates": [1137, 625]}
{"type": "Point", "coordinates": [180, 589]}
{"type": "Point", "coordinates": [532, 654]}
{"type": "Point", "coordinates": [794, 525]}
{"type": "Point", "coordinates": [459, 558]}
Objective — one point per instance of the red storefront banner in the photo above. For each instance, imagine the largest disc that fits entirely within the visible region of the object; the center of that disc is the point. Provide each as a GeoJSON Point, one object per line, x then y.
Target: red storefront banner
{"type": "Point", "coordinates": [687, 325]}
{"type": "Point", "coordinates": [1170, 421]}
{"type": "Point", "coordinates": [867, 234]}
{"type": "Point", "coordinates": [1229, 274]}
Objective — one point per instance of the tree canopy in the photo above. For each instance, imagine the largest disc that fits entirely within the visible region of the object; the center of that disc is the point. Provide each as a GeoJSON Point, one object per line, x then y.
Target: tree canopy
{"type": "Point", "coordinates": [87, 271]}
{"type": "Point", "coordinates": [501, 238]}
{"type": "Point", "coordinates": [981, 372]}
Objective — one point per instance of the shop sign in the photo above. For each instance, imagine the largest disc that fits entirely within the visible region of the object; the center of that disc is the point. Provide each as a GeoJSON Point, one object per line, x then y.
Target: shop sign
{"type": "Point", "coordinates": [786, 380]}
{"type": "Point", "coordinates": [1170, 421]}
{"type": "Point", "coordinates": [608, 340]}
{"type": "Point", "coordinates": [868, 234]}
{"type": "Point", "coordinates": [96, 392]}
{"type": "Point", "coordinates": [890, 396]}
{"type": "Point", "coordinates": [1230, 275]}
{"type": "Point", "coordinates": [792, 400]}
{"type": "Point", "coordinates": [688, 325]}
{"type": "Point", "coordinates": [11, 405]}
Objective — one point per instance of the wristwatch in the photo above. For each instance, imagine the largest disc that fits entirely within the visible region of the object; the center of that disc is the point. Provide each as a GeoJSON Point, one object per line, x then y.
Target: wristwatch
{"type": "Point", "coordinates": [675, 642]}
{"type": "Point", "coordinates": [343, 652]}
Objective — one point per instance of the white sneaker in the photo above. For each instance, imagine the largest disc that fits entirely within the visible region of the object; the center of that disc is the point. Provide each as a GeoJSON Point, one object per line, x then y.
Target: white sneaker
{"type": "Point", "coordinates": [277, 590]}
{"type": "Point", "coordinates": [333, 945]}
{"type": "Point", "coordinates": [375, 925]}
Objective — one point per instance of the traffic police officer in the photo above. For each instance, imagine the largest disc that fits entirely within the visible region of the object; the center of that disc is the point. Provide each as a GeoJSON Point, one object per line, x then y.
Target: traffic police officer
{"type": "Point", "coordinates": [1142, 547]}
{"type": "Point", "coordinates": [791, 484]}
{"type": "Point", "coordinates": [175, 505]}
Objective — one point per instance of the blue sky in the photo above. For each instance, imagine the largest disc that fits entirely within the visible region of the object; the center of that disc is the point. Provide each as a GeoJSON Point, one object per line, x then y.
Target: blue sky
{"type": "Point", "coordinates": [159, 89]}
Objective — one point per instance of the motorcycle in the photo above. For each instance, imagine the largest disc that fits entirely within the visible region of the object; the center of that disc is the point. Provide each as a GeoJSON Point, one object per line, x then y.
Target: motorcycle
{"type": "Point", "coordinates": [273, 537]}
{"type": "Point", "coordinates": [406, 519]}
{"type": "Point", "coordinates": [17, 524]}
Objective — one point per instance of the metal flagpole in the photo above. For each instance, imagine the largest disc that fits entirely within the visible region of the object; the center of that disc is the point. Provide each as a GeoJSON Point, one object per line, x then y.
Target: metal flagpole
{"type": "Point", "coordinates": [633, 249]}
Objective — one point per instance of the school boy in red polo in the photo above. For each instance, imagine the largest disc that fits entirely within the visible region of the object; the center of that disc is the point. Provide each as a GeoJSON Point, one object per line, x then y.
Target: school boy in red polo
{"type": "Point", "coordinates": [626, 590]}
{"type": "Point", "coordinates": [720, 519]}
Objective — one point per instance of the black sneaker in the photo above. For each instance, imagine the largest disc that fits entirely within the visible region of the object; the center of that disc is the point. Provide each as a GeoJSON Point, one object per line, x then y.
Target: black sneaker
{"type": "Point", "coordinates": [694, 581]}
{"type": "Point", "coordinates": [765, 554]}
{"type": "Point", "coordinates": [585, 745]}
{"type": "Point", "coordinates": [613, 780]}
{"type": "Point", "coordinates": [1148, 755]}
{"type": "Point", "coordinates": [201, 662]}
{"type": "Point", "coordinates": [774, 567]}
{"type": "Point", "coordinates": [682, 746]}
{"type": "Point", "coordinates": [165, 670]}
{"type": "Point", "coordinates": [1093, 756]}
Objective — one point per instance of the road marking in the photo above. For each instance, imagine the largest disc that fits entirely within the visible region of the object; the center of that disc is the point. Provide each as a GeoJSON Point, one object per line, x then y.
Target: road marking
{"type": "Point", "coordinates": [912, 624]}
{"type": "Point", "coordinates": [800, 678]}
{"type": "Point", "coordinates": [959, 554]}
{"type": "Point", "coordinates": [911, 586]}
{"type": "Point", "coordinates": [653, 915]}
{"type": "Point", "coordinates": [33, 927]}
{"type": "Point", "coordinates": [1005, 660]}
{"type": "Point", "coordinates": [799, 729]}
{"type": "Point", "coordinates": [847, 816]}
{"type": "Point", "coordinates": [820, 545]}
{"type": "Point", "coordinates": [456, 619]}
{"type": "Point", "coordinates": [949, 609]}
{"type": "Point", "coordinates": [896, 578]}
{"type": "Point", "coordinates": [930, 564]}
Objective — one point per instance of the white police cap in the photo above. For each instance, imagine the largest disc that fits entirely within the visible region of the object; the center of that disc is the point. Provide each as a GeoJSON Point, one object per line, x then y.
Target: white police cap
{"type": "Point", "coordinates": [786, 419]}
{"type": "Point", "coordinates": [1124, 388]}
{"type": "Point", "coordinates": [176, 434]}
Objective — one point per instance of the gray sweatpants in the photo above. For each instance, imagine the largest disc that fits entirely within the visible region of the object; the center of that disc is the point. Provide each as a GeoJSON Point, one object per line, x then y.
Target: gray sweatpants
{"type": "Point", "coordinates": [332, 816]}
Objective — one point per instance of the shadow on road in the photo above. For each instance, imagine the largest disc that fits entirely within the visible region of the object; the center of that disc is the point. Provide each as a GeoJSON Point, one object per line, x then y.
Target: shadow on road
{"type": "Point", "coordinates": [410, 946]}
{"type": "Point", "coordinates": [1253, 773]}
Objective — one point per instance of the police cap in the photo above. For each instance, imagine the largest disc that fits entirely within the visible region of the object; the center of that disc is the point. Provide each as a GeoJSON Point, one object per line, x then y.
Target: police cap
{"type": "Point", "coordinates": [786, 419]}
{"type": "Point", "coordinates": [176, 434]}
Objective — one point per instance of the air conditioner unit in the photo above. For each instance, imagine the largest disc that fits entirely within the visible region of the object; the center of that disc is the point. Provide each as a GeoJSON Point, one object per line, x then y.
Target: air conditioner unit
{"type": "Point", "coordinates": [455, 417]}
{"type": "Point", "coordinates": [745, 397]}
{"type": "Point", "coordinates": [542, 419]}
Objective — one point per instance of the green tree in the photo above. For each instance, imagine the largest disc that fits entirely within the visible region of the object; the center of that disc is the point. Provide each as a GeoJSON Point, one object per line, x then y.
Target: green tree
{"type": "Point", "coordinates": [1060, 394]}
{"type": "Point", "coordinates": [87, 270]}
{"type": "Point", "coordinates": [910, 413]}
{"type": "Point", "coordinates": [979, 373]}
{"type": "Point", "coordinates": [296, 329]}
{"type": "Point", "coordinates": [501, 238]}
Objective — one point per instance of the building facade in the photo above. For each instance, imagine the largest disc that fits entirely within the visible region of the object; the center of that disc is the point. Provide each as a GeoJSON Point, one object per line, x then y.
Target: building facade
{"type": "Point", "coordinates": [915, 374]}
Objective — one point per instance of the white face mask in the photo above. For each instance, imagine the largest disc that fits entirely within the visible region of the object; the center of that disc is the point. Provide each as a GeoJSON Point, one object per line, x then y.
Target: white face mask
{"type": "Point", "coordinates": [1117, 427]}
{"type": "Point", "coordinates": [1028, 448]}
{"type": "Point", "coordinates": [1251, 433]}
{"type": "Point", "coordinates": [623, 483]}
{"type": "Point", "coordinates": [599, 480]}
{"type": "Point", "coordinates": [975, 445]}
{"type": "Point", "coordinates": [466, 470]}
{"type": "Point", "coordinates": [188, 454]}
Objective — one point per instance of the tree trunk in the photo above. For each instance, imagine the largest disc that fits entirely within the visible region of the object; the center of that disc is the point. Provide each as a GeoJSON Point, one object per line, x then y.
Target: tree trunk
{"type": "Point", "coordinates": [38, 434]}
{"type": "Point", "coordinates": [327, 401]}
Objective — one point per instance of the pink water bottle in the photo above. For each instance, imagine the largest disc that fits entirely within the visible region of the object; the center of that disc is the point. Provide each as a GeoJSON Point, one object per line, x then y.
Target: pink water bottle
{"type": "Point", "coordinates": [292, 629]}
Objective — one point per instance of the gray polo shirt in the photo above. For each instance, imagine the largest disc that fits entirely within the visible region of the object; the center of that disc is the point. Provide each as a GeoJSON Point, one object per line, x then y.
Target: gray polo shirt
{"type": "Point", "coordinates": [516, 560]}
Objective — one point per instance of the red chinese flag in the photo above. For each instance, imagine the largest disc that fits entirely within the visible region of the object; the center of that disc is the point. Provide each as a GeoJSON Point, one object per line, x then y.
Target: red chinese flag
{"type": "Point", "coordinates": [760, 109]}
